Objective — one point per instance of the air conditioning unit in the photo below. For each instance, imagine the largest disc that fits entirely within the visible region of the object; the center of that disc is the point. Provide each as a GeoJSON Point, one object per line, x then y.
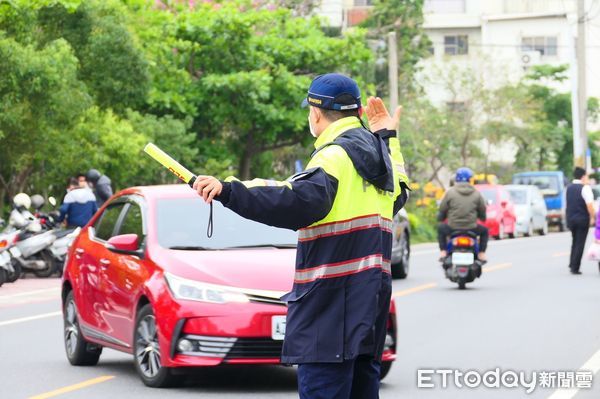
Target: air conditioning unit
{"type": "Point", "coordinates": [529, 58]}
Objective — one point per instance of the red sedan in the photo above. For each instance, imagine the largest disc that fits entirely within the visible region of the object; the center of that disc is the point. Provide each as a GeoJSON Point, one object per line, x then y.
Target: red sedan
{"type": "Point", "coordinates": [501, 217]}
{"type": "Point", "coordinates": [143, 278]}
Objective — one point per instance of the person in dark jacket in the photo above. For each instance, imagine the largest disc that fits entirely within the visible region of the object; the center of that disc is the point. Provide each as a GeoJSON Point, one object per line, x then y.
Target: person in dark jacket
{"type": "Point", "coordinates": [79, 205]}
{"type": "Point", "coordinates": [342, 206]}
{"type": "Point", "coordinates": [462, 205]}
{"type": "Point", "coordinates": [580, 215]}
{"type": "Point", "coordinates": [101, 185]}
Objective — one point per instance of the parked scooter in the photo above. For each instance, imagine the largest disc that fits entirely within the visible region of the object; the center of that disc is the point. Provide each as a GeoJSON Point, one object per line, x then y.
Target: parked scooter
{"type": "Point", "coordinates": [461, 264]}
{"type": "Point", "coordinates": [32, 241]}
{"type": "Point", "coordinates": [8, 253]}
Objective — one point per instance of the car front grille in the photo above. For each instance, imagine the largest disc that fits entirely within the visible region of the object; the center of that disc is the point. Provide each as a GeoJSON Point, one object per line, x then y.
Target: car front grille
{"type": "Point", "coordinates": [255, 348]}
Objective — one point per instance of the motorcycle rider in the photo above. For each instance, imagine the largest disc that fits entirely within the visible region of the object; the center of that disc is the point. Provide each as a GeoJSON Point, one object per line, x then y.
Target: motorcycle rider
{"type": "Point", "coordinates": [20, 216]}
{"type": "Point", "coordinates": [101, 185]}
{"type": "Point", "coordinates": [462, 205]}
{"type": "Point", "coordinates": [79, 205]}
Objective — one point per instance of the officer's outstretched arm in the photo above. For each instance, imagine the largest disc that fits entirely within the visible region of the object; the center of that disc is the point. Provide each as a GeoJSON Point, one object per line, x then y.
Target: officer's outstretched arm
{"type": "Point", "coordinates": [295, 203]}
{"type": "Point", "coordinates": [393, 144]}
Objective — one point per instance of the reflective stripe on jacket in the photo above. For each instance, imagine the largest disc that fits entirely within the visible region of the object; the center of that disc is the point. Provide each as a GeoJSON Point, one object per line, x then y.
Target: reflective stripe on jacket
{"type": "Point", "coordinates": [343, 206]}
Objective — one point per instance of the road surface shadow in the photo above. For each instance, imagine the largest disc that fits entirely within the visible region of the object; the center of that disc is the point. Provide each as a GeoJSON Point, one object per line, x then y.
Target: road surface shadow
{"type": "Point", "coordinates": [256, 378]}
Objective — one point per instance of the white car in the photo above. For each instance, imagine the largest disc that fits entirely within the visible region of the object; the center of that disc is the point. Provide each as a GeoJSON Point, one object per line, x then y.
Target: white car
{"type": "Point", "coordinates": [530, 209]}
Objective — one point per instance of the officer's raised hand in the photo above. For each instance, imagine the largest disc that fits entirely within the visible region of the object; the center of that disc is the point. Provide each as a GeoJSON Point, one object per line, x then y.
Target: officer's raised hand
{"type": "Point", "coordinates": [379, 117]}
{"type": "Point", "coordinates": [208, 187]}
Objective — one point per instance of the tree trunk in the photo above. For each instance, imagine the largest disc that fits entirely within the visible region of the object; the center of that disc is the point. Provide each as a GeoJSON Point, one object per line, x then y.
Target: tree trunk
{"type": "Point", "coordinates": [246, 158]}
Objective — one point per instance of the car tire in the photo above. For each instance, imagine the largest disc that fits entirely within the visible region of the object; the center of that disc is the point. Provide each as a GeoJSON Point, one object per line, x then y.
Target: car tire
{"type": "Point", "coordinates": [400, 269]}
{"type": "Point", "coordinates": [146, 352]}
{"type": "Point", "coordinates": [544, 230]}
{"type": "Point", "coordinates": [529, 229]}
{"type": "Point", "coordinates": [16, 273]}
{"type": "Point", "coordinates": [78, 350]}
{"type": "Point", "coordinates": [385, 369]}
{"type": "Point", "coordinates": [500, 235]}
{"type": "Point", "coordinates": [562, 227]}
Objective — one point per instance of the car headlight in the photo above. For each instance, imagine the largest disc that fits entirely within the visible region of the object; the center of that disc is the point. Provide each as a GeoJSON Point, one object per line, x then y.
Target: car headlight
{"type": "Point", "coordinates": [191, 290]}
{"type": "Point", "coordinates": [491, 214]}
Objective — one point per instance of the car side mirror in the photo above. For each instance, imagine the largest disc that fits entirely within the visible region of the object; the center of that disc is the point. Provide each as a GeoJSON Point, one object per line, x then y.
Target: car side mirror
{"type": "Point", "coordinates": [127, 244]}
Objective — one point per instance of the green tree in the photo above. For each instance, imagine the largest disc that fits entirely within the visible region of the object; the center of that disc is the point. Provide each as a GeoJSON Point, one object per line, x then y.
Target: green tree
{"type": "Point", "coordinates": [406, 19]}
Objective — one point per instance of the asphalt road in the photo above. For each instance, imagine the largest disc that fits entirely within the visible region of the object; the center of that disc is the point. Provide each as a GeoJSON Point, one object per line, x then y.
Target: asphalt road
{"type": "Point", "coordinates": [526, 314]}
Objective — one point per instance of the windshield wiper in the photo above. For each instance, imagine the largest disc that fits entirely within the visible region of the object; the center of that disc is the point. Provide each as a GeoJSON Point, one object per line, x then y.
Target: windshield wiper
{"type": "Point", "coordinates": [190, 248]}
{"type": "Point", "coordinates": [263, 246]}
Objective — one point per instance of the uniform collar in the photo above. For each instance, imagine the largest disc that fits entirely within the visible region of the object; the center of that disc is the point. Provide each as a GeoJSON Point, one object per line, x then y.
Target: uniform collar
{"type": "Point", "coordinates": [335, 129]}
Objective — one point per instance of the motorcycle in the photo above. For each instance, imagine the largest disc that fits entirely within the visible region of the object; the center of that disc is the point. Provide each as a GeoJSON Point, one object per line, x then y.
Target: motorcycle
{"type": "Point", "coordinates": [8, 251]}
{"type": "Point", "coordinates": [461, 264]}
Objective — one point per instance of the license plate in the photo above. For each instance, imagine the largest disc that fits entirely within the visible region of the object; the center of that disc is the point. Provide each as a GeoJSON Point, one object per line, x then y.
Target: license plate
{"type": "Point", "coordinates": [462, 258]}
{"type": "Point", "coordinates": [15, 252]}
{"type": "Point", "coordinates": [278, 328]}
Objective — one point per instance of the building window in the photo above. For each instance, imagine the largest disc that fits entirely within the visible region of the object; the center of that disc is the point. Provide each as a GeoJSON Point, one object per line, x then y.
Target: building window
{"type": "Point", "coordinates": [456, 45]}
{"type": "Point", "coordinates": [363, 3]}
{"type": "Point", "coordinates": [546, 45]}
{"type": "Point", "coordinates": [444, 6]}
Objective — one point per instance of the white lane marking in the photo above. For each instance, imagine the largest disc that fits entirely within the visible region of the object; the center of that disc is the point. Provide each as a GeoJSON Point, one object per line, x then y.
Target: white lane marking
{"type": "Point", "coordinates": [593, 365]}
{"type": "Point", "coordinates": [55, 289]}
{"type": "Point", "coordinates": [30, 318]}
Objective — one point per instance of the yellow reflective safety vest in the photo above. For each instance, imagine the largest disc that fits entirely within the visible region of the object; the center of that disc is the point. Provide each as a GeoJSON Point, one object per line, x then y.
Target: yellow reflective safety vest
{"type": "Point", "coordinates": [342, 206]}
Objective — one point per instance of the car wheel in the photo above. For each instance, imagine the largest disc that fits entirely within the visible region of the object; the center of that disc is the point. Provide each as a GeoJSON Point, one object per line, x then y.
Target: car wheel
{"type": "Point", "coordinates": [544, 229]}
{"type": "Point", "coordinates": [500, 235]}
{"type": "Point", "coordinates": [147, 352]}
{"type": "Point", "coordinates": [562, 227]}
{"type": "Point", "coordinates": [385, 369]}
{"type": "Point", "coordinates": [16, 273]}
{"type": "Point", "coordinates": [400, 269]}
{"type": "Point", "coordinates": [530, 229]}
{"type": "Point", "coordinates": [79, 351]}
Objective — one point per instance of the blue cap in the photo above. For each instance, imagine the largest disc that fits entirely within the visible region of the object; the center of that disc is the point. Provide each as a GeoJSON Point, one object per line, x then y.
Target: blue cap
{"type": "Point", "coordinates": [333, 91]}
{"type": "Point", "coordinates": [463, 175]}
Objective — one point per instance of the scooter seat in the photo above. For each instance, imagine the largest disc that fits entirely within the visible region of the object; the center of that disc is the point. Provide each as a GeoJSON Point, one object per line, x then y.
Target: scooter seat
{"type": "Point", "coordinates": [63, 233]}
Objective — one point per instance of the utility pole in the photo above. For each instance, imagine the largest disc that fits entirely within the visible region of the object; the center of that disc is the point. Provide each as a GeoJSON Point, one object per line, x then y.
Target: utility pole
{"type": "Point", "coordinates": [393, 70]}
{"type": "Point", "coordinates": [580, 150]}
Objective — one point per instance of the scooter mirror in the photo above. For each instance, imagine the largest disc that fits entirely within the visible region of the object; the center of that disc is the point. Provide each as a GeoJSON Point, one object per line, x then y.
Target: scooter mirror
{"type": "Point", "coordinates": [52, 201]}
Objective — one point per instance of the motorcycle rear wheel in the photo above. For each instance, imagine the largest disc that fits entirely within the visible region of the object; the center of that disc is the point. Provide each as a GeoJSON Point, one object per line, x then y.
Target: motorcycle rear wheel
{"type": "Point", "coordinates": [50, 267]}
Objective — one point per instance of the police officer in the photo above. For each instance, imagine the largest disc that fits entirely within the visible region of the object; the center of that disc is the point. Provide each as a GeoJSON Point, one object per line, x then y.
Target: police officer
{"type": "Point", "coordinates": [342, 206]}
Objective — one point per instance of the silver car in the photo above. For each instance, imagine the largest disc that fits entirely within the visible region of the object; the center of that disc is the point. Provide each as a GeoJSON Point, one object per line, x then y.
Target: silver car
{"type": "Point", "coordinates": [530, 209]}
{"type": "Point", "coordinates": [401, 245]}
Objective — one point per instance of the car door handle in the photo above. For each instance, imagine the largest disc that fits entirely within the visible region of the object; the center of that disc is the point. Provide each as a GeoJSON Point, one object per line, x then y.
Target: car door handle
{"type": "Point", "coordinates": [79, 251]}
{"type": "Point", "coordinates": [104, 262]}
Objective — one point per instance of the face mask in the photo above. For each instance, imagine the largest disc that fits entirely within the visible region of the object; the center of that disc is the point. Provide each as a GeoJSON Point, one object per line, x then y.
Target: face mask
{"type": "Point", "coordinates": [310, 126]}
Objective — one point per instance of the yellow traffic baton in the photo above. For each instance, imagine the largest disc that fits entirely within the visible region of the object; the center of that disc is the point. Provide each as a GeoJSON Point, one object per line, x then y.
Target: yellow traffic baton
{"type": "Point", "coordinates": [172, 165]}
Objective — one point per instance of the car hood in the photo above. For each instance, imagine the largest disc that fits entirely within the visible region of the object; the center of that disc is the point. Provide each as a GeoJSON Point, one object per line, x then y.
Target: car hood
{"type": "Point", "coordinates": [269, 269]}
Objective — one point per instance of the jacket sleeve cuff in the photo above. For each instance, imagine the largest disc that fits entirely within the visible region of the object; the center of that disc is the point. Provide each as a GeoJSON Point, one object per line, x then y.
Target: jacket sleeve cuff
{"type": "Point", "coordinates": [225, 192]}
{"type": "Point", "coordinates": [386, 134]}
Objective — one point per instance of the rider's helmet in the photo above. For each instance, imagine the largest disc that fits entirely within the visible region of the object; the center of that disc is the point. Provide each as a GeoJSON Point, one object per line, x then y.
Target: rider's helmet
{"type": "Point", "coordinates": [463, 175]}
{"type": "Point", "coordinates": [92, 175]}
{"type": "Point", "coordinates": [22, 200]}
{"type": "Point", "coordinates": [37, 201]}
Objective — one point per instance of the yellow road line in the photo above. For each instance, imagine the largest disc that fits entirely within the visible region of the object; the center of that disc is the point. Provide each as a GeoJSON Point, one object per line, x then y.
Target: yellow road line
{"type": "Point", "coordinates": [499, 266]}
{"type": "Point", "coordinates": [73, 387]}
{"type": "Point", "coordinates": [412, 290]}
{"type": "Point", "coordinates": [559, 254]}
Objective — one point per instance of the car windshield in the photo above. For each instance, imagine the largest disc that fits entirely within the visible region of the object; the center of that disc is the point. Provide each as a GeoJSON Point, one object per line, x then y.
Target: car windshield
{"type": "Point", "coordinates": [182, 224]}
{"type": "Point", "coordinates": [519, 197]}
{"type": "Point", "coordinates": [548, 185]}
{"type": "Point", "coordinates": [489, 195]}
